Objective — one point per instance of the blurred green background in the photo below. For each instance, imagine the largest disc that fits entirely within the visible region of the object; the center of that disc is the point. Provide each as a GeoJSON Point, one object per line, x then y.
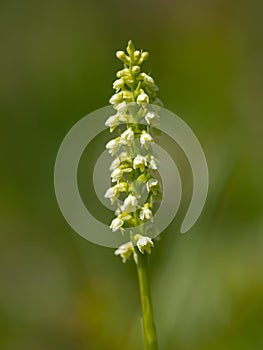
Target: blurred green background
{"type": "Point", "coordinates": [61, 292]}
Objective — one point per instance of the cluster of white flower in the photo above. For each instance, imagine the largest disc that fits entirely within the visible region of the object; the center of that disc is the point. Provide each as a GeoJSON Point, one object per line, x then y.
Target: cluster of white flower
{"type": "Point", "coordinates": [134, 158]}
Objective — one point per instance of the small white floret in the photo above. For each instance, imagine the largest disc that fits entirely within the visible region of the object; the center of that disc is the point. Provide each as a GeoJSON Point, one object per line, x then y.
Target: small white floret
{"type": "Point", "coordinates": [143, 98]}
{"type": "Point", "coordinates": [145, 139]}
{"type": "Point", "coordinates": [127, 137]}
{"type": "Point", "coordinates": [140, 162]}
{"type": "Point", "coordinates": [129, 204]}
{"type": "Point", "coordinates": [145, 243]}
{"type": "Point", "coordinates": [125, 251]}
{"type": "Point", "coordinates": [145, 213]}
{"type": "Point", "coordinates": [116, 224]}
{"type": "Point", "coordinates": [152, 118]}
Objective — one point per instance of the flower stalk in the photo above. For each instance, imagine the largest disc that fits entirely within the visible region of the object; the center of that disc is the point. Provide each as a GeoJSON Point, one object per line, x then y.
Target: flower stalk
{"type": "Point", "coordinates": [150, 336]}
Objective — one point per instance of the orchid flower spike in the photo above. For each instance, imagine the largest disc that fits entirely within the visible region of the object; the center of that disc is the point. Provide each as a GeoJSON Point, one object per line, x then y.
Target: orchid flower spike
{"type": "Point", "coordinates": [134, 160]}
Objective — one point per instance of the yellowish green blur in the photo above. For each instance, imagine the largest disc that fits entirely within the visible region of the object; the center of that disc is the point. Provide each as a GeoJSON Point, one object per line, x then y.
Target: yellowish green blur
{"type": "Point", "coordinates": [60, 292]}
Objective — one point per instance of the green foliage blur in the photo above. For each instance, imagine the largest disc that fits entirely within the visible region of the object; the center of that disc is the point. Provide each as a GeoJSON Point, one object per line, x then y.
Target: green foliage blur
{"type": "Point", "coordinates": [61, 292]}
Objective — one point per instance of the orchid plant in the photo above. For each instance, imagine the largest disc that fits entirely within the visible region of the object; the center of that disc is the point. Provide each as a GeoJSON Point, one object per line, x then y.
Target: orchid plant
{"type": "Point", "coordinates": [135, 189]}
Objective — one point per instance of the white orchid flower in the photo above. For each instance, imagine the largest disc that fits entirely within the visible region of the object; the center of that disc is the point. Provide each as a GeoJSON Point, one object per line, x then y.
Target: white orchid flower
{"type": "Point", "coordinates": [143, 98]}
{"type": "Point", "coordinates": [152, 185]}
{"type": "Point", "coordinates": [145, 213]}
{"type": "Point", "coordinates": [112, 121]}
{"type": "Point", "coordinates": [153, 163]}
{"type": "Point", "coordinates": [146, 139]}
{"type": "Point", "coordinates": [116, 175]}
{"type": "Point", "coordinates": [115, 163]}
{"type": "Point", "coordinates": [112, 194]}
{"type": "Point", "coordinates": [129, 204]}
{"type": "Point", "coordinates": [152, 118]}
{"type": "Point", "coordinates": [127, 137]}
{"type": "Point", "coordinates": [116, 224]}
{"type": "Point", "coordinates": [113, 146]}
{"type": "Point", "coordinates": [118, 84]}
{"type": "Point", "coordinates": [125, 251]}
{"type": "Point", "coordinates": [139, 162]}
{"type": "Point", "coordinates": [144, 243]}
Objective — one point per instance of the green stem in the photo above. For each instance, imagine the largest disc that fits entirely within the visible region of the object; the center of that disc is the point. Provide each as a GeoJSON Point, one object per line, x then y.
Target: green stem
{"type": "Point", "coordinates": [150, 337]}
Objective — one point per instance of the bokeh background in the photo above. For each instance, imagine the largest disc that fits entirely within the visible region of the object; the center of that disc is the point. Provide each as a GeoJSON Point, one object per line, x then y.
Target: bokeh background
{"type": "Point", "coordinates": [61, 292]}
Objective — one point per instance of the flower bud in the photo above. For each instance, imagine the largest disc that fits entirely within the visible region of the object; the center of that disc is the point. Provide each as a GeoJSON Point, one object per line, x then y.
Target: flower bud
{"type": "Point", "coordinates": [136, 69]}
{"type": "Point", "coordinates": [118, 84]}
{"type": "Point", "coordinates": [145, 56]}
{"type": "Point", "coordinates": [116, 98]}
{"type": "Point", "coordinates": [130, 48]}
{"type": "Point", "coordinates": [148, 80]}
{"type": "Point", "coordinates": [121, 55]}
{"type": "Point", "coordinates": [123, 72]}
{"type": "Point", "coordinates": [136, 55]}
